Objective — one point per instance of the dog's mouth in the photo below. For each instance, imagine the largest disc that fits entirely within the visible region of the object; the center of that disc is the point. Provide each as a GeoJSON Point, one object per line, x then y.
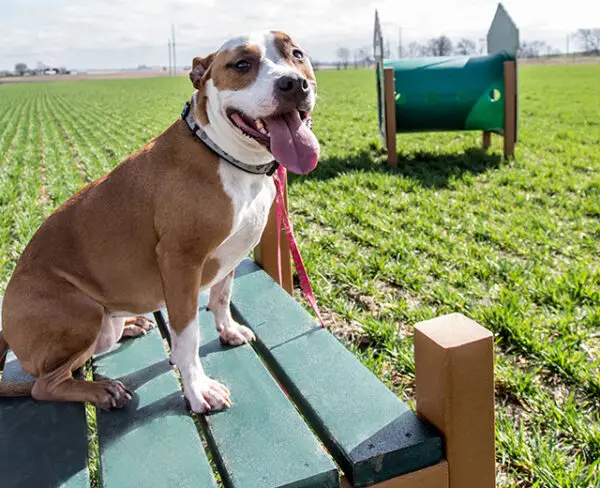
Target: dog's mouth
{"type": "Point", "coordinates": [287, 136]}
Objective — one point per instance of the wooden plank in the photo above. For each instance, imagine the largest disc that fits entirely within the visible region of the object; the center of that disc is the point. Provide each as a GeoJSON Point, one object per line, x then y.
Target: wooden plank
{"type": "Point", "coordinates": [371, 433]}
{"type": "Point", "coordinates": [510, 108]}
{"type": "Point", "coordinates": [41, 443]}
{"type": "Point", "coordinates": [390, 116]}
{"type": "Point", "coordinates": [265, 253]}
{"type": "Point", "coordinates": [435, 476]}
{"type": "Point", "coordinates": [454, 361]}
{"type": "Point", "coordinates": [152, 441]}
{"type": "Point", "coordinates": [486, 139]}
{"type": "Point", "coordinates": [260, 441]}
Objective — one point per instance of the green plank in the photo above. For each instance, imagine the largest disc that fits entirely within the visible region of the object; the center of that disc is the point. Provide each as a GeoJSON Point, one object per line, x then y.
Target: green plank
{"type": "Point", "coordinates": [261, 441]}
{"type": "Point", "coordinates": [152, 441]}
{"type": "Point", "coordinates": [371, 433]}
{"type": "Point", "coordinates": [42, 444]}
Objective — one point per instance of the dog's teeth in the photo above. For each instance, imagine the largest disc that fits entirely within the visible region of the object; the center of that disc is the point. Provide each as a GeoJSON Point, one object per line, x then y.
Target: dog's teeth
{"type": "Point", "coordinates": [259, 124]}
{"type": "Point", "coordinates": [263, 131]}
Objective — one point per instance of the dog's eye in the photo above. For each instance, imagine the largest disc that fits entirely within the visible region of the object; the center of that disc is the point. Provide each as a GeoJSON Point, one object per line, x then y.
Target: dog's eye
{"type": "Point", "coordinates": [298, 54]}
{"type": "Point", "coordinates": [242, 64]}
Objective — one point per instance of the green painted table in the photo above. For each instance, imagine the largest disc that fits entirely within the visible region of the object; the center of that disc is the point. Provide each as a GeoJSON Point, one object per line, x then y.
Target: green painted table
{"type": "Point", "coordinates": [304, 410]}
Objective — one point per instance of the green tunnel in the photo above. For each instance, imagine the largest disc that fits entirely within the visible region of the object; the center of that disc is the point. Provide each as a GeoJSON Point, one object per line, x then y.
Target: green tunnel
{"type": "Point", "coordinates": [448, 93]}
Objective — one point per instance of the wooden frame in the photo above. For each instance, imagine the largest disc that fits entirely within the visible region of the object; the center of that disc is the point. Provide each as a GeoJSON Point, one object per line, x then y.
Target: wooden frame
{"type": "Point", "coordinates": [486, 140]}
{"type": "Point", "coordinates": [265, 254]}
{"type": "Point", "coordinates": [389, 107]}
{"type": "Point", "coordinates": [510, 107]}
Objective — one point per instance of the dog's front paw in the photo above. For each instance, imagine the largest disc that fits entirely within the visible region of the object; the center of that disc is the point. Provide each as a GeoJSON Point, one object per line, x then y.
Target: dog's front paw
{"type": "Point", "coordinates": [236, 335]}
{"type": "Point", "coordinates": [206, 394]}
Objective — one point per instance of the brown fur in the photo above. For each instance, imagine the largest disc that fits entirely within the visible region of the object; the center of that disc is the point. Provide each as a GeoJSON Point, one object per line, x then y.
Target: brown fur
{"type": "Point", "coordinates": [199, 74]}
{"type": "Point", "coordinates": [226, 77]}
{"type": "Point", "coordinates": [285, 46]}
{"type": "Point", "coordinates": [126, 242]}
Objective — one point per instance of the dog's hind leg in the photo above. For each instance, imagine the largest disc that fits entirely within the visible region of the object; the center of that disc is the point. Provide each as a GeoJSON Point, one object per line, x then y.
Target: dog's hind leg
{"type": "Point", "coordinates": [60, 386]}
{"type": "Point", "coordinates": [137, 326]}
{"type": "Point", "coordinates": [53, 329]}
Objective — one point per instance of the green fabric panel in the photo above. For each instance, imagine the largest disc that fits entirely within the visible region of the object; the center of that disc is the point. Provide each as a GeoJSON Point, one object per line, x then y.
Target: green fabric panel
{"type": "Point", "coordinates": [152, 441]}
{"type": "Point", "coordinates": [372, 434]}
{"type": "Point", "coordinates": [449, 93]}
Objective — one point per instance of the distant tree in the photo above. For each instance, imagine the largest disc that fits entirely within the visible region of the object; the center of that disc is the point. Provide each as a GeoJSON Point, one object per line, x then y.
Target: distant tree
{"type": "Point", "coordinates": [21, 68]}
{"type": "Point", "coordinates": [589, 39]}
{"type": "Point", "coordinates": [439, 46]}
{"type": "Point", "coordinates": [416, 50]}
{"type": "Point", "coordinates": [343, 55]}
{"type": "Point", "coordinates": [532, 49]}
{"type": "Point", "coordinates": [386, 50]}
{"type": "Point", "coordinates": [466, 47]}
{"type": "Point", "coordinates": [481, 45]}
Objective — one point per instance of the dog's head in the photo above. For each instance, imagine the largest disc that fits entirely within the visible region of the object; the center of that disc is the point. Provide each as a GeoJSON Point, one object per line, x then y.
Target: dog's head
{"type": "Point", "coordinates": [260, 90]}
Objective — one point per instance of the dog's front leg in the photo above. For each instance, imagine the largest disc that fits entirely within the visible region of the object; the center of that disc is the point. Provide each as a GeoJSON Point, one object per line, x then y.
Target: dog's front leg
{"type": "Point", "coordinates": [219, 303]}
{"type": "Point", "coordinates": [181, 284]}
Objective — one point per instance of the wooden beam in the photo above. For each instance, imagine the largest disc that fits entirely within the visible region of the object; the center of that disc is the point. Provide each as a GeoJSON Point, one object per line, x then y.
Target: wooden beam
{"type": "Point", "coordinates": [487, 139]}
{"type": "Point", "coordinates": [390, 116]}
{"type": "Point", "coordinates": [435, 476]}
{"type": "Point", "coordinates": [265, 254]}
{"type": "Point", "coordinates": [454, 361]}
{"type": "Point", "coordinates": [510, 107]}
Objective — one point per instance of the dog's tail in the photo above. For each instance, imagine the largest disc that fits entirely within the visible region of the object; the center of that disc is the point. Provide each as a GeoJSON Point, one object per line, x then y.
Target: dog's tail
{"type": "Point", "coordinates": [7, 388]}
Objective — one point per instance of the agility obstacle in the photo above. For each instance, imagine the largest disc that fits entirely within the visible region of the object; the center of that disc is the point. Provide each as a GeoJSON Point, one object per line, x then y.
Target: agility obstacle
{"type": "Point", "coordinates": [451, 93]}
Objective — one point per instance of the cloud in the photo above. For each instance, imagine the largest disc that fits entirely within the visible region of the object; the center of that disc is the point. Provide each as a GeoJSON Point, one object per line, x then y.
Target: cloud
{"type": "Point", "coordinates": [124, 33]}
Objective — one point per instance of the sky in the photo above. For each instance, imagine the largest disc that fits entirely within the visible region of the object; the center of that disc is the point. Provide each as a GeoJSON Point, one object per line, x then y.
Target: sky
{"type": "Point", "coordinates": [113, 34]}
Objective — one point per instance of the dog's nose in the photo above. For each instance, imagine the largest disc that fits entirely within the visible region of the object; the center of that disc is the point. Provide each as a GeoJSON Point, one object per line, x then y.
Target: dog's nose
{"type": "Point", "coordinates": [293, 85]}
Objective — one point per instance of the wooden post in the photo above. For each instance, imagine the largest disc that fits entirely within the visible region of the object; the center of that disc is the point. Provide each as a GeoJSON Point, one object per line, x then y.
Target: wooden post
{"type": "Point", "coordinates": [265, 254]}
{"type": "Point", "coordinates": [487, 139]}
{"type": "Point", "coordinates": [435, 476]}
{"type": "Point", "coordinates": [510, 107]}
{"type": "Point", "coordinates": [454, 361]}
{"type": "Point", "coordinates": [389, 101]}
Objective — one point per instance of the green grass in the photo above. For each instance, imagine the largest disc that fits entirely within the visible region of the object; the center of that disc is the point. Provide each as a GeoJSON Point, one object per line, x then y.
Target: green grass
{"type": "Point", "coordinates": [512, 244]}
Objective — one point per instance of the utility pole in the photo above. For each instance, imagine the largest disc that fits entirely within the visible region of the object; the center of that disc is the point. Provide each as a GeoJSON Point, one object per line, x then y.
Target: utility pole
{"type": "Point", "coordinates": [170, 61]}
{"type": "Point", "coordinates": [174, 55]}
{"type": "Point", "coordinates": [399, 42]}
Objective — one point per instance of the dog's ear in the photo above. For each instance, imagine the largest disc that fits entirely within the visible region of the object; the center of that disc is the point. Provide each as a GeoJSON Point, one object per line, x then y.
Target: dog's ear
{"type": "Point", "coordinates": [199, 67]}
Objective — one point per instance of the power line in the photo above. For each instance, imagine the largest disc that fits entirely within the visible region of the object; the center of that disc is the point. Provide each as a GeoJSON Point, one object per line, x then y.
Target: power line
{"type": "Point", "coordinates": [174, 51]}
{"type": "Point", "coordinates": [170, 61]}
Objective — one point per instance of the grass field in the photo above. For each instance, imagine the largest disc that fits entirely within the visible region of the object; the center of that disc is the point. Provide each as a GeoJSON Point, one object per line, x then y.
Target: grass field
{"type": "Point", "coordinates": [514, 245]}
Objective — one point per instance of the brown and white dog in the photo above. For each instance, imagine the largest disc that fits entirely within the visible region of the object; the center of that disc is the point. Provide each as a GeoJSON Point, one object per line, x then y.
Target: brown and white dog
{"type": "Point", "coordinates": [171, 220]}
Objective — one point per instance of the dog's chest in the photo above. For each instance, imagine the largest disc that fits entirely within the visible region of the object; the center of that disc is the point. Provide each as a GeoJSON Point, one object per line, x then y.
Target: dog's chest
{"type": "Point", "coordinates": [252, 197]}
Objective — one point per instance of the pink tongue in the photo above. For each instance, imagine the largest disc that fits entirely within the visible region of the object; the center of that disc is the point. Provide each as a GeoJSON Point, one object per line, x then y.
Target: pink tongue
{"type": "Point", "coordinates": [292, 143]}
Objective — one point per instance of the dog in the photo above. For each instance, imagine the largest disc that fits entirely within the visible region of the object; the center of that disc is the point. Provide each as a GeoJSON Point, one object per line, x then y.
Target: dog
{"type": "Point", "coordinates": [171, 220]}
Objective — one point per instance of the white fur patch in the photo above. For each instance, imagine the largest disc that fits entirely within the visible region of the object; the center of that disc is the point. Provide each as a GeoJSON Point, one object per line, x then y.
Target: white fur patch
{"type": "Point", "coordinates": [252, 197]}
{"type": "Point", "coordinates": [202, 392]}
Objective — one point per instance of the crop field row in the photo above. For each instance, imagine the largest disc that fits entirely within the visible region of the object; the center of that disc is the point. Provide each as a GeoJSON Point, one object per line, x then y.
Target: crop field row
{"type": "Point", "coordinates": [512, 244]}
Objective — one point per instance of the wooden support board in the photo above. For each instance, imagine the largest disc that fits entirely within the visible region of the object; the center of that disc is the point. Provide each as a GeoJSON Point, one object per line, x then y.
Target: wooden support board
{"type": "Point", "coordinates": [510, 107]}
{"type": "Point", "coordinates": [152, 441]}
{"type": "Point", "coordinates": [435, 476]}
{"type": "Point", "coordinates": [372, 434]}
{"type": "Point", "coordinates": [390, 116]}
{"type": "Point", "coordinates": [265, 254]}
{"type": "Point", "coordinates": [486, 139]}
{"type": "Point", "coordinates": [41, 443]}
{"type": "Point", "coordinates": [454, 367]}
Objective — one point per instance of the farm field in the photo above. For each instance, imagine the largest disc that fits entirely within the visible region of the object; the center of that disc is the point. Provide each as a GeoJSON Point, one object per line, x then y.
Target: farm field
{"type": "Point", "coordinates": [515, 245]}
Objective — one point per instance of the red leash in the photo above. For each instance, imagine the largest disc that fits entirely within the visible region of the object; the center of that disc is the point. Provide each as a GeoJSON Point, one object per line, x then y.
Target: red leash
{"type": "Point", "coordinates": [282, 217]}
